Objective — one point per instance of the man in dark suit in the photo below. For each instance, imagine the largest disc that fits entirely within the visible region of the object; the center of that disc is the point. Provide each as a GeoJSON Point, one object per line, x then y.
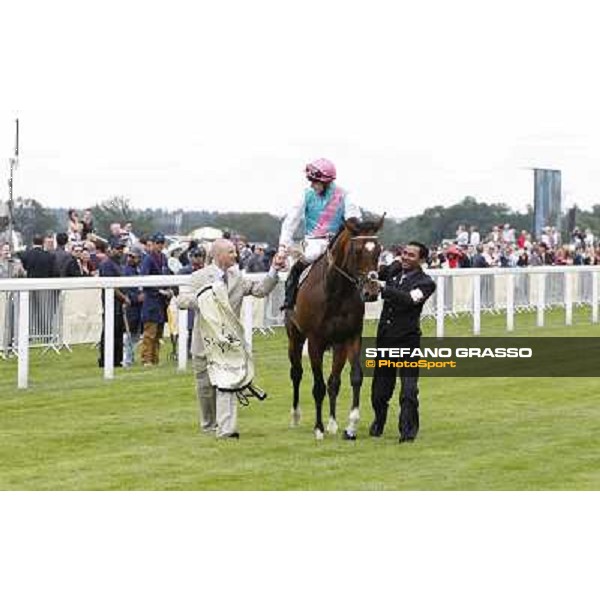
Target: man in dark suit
{"type": "Point", "coordinates": [406, 290]}
{"type": "Point", "coordinates": [40, 263]}
{"type": "Point", "coordinates": [479, 261]}
{"type": "Point", "coordinates": [36, 261]}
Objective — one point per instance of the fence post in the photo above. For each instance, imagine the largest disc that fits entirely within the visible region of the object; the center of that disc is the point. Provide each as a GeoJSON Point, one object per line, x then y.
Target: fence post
{"type": "Point", "coordinates": [510, 302]}
{"type": "Point", "coordinates": [23, 344]}
{"type": "Point", "coordinates": [476, 304]}
{"type": "Point", "coordinates": [109, 333]}
{"type": "Point", "coordinates": [182, 321]}
{"type": "Point", "coordinates": [595, 297]}
{"type": "Point", "coordinates": [568, 299]}
{"type": "Point", "coordinates": [439, 315]}
{"type": "Point", "coordinates": [541, 299]}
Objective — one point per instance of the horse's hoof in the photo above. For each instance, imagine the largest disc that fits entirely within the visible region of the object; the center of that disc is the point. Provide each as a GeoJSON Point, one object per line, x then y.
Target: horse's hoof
{"type": "Point", "coordinates": [296, 417]}
{"type": "Point", "coordinates": [332, 427]}
{"type": "Point", "coordinates": [319, 435]}
{"type": "Point", "coordinates": [349, 435]}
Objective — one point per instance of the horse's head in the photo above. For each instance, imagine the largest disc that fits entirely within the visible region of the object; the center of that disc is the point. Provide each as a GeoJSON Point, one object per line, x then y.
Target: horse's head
{"type": "Point", "coordinates": [356, 253]}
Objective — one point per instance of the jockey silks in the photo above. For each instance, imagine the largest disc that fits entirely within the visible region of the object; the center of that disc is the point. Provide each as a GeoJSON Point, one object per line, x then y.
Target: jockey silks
{"type": "Point", "coordinates": [324, 214]}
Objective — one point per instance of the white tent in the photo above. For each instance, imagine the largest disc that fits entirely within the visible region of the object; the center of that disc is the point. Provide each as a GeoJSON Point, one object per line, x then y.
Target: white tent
{"type": "Point", "coordinates": [206, 233]}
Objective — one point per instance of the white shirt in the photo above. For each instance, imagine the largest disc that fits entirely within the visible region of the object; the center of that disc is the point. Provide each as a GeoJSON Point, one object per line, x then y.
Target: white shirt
{"type": "Point", "coordinates": [462, 238]}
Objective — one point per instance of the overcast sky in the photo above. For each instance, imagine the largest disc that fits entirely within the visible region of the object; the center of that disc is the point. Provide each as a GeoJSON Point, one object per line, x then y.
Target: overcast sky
{"type": "Point", "coordinates": [221, 108]}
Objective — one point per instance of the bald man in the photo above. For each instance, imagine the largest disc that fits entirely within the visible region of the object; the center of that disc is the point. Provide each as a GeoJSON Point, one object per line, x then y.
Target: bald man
{"type": "Point", "coordinates": [218, 409]}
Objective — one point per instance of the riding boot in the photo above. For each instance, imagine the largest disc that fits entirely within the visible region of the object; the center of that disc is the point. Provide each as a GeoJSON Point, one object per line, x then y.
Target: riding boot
{"type": "Point", "coordinates": [291, 285]}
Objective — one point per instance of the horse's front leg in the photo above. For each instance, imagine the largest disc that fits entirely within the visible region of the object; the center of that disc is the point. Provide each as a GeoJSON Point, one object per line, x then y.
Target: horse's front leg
{"type": "Point", "coordinates": [333, 384]}
{"type": "Point", "coordinates": [356, 379]}
{"type": "Point", "coordinates": [315, 353]}
{"type": "Point", "coordinates": [295, 344]}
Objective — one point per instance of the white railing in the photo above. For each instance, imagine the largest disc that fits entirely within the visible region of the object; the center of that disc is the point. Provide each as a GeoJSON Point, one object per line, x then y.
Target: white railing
{"type": "Point", "coordinates": [459, 291]}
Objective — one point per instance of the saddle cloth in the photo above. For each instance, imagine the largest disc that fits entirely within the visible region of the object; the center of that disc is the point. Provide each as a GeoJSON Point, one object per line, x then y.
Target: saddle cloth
{"type": "Point", "coordinates": [304, 275]}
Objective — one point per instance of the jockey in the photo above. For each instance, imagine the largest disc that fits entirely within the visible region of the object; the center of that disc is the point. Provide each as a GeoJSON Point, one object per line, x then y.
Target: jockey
{"type": "Point", "coordinates": [325, 207]}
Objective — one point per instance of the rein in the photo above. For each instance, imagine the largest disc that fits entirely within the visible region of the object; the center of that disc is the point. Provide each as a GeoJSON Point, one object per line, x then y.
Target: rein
{"type": "Point", "coordinates": [331, 263]}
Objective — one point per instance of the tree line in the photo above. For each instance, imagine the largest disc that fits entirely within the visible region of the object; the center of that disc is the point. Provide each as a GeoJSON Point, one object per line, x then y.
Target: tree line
{"type": "Point", "coordinates": [430, 227]}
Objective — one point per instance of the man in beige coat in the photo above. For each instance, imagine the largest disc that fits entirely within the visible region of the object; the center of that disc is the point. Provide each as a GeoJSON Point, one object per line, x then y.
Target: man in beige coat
{"type": "Point", "coordinates": [218, 410]}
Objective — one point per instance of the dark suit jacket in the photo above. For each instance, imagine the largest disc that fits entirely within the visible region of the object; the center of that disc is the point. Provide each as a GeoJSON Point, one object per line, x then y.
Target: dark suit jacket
{"type": "Point", "coordinates": [479, 261]}
{"type": "Point", "coordinates": [38, 263]}
{"type": "Point", "coordinates": [401, 315]}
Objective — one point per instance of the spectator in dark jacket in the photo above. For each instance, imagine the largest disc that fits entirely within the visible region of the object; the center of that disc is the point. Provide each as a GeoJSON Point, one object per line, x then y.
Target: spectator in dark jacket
{"type": "Point", "coordinates": [479, 261]}
{"type": "Point", "coordinates": [133, 312]}
{"type": "Point", "coordinates": [37, 262]}
{"type": "Point", "coordinates": [65, 263]}
{"type": "Point", "coordinates": [256, 263]}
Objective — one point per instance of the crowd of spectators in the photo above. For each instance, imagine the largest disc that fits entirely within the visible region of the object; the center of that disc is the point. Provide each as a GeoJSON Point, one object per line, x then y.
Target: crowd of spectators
{"type": "Point", "coordinates": [79, 251]}
{"type": "Point", "coordinates": [505, 247]}
{"type": "Point", "coordinates": [76, 252]}
{"type": "Point", "coordinates": [254, 258]}
{"type": "Point", "coordinates": [142, 312]}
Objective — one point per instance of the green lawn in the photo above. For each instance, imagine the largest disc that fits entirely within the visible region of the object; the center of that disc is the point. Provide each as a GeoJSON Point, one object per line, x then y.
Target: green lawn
{"type": "Point", "coordinates": [72, 430]}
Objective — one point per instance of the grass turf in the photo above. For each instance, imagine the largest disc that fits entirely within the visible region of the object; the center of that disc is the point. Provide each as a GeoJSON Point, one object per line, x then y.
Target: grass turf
{"type": "Point", "coordinates": [71, 430]}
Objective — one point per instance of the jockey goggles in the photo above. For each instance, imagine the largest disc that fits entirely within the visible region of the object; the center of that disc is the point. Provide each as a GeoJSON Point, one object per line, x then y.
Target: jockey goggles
{"type": "Point", "coordinates": [313, 174]}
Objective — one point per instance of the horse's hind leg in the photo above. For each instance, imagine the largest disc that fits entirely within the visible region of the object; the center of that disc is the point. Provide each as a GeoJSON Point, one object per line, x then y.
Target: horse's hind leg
{"type": "Point", "coordinates": [333, 384]}
{"type": "Point", "coordinates": [315, 352]}
{"type": "Point", "coordinates": [356, 379]}
{"type": "Point", "coordinates": [295, 344]}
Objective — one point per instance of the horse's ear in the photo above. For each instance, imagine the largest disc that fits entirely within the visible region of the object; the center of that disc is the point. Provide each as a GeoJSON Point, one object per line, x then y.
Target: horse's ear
{"type": "Point", "coordinates": [380, 222]}
{"type": "Point", "coordinates": [352, 225]}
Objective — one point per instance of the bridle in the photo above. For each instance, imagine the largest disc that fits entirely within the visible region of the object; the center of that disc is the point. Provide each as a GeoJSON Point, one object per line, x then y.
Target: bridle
{"type": "Point", "coordinates": [356, 281]}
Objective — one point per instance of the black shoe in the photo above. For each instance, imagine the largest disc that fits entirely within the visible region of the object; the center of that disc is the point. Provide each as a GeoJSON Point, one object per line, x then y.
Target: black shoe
{"type": "Point", "coordinates": [406, 440]}
{"type": "Point", "coordinates": [376, 429]}
{"type": "Point", "coordinates": [235, 435]}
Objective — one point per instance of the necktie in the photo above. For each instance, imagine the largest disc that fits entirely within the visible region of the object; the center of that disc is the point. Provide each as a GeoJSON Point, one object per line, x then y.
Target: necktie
{"type": "Point", "coordinates": [225, 278]}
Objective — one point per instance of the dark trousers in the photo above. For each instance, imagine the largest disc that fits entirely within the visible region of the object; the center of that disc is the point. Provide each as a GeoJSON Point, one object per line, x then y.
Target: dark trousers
{"type": "Point", "coordinates": [382, 389]}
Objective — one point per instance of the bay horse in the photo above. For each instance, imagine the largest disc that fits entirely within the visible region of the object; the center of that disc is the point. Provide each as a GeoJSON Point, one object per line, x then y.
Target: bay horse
{"type": "Point", "coordinates": [329, 313]}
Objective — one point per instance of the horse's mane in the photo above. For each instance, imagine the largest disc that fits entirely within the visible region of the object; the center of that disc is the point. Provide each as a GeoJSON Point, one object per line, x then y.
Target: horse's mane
{"type": "Point", "coordinates": [334, 239]}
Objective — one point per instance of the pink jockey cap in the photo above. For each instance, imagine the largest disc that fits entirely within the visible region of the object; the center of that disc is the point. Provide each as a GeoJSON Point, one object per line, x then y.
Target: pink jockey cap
{"type": "Point", "coordinates": [322, 170]}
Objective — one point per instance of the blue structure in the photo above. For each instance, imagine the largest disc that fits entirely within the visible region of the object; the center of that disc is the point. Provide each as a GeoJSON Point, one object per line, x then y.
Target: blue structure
{"type": "Point", "coordinates": [547, 199]}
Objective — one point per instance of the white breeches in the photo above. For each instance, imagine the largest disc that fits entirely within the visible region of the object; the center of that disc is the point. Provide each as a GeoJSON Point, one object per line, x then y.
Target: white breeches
{"type": "Point", "coordinates": [314, 247]}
